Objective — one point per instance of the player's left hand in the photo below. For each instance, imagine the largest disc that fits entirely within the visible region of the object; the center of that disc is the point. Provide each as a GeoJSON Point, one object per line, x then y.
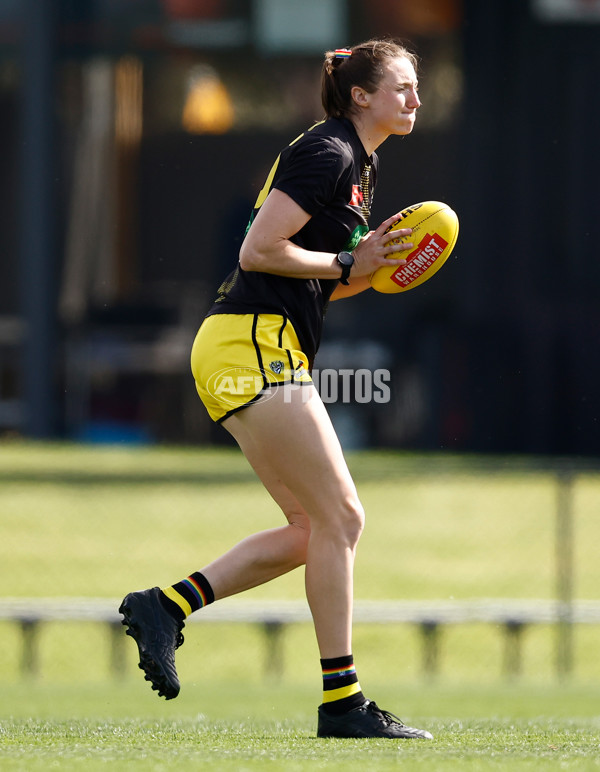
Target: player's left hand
{"type": "Point", "coordinates": [376, 250]}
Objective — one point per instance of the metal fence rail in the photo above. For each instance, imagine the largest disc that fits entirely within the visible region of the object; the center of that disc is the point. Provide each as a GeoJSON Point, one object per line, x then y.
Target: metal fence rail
{"type": "Point", "coordinates": [510, 615]}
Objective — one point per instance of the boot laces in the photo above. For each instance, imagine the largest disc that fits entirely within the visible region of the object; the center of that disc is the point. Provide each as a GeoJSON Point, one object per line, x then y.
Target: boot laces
{"type": "Point", "coordinates": [384, 716]}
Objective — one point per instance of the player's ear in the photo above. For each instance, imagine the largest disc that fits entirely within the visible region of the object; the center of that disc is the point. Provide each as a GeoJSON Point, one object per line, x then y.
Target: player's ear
{"type": "Point", "coordinates": [359, 96]}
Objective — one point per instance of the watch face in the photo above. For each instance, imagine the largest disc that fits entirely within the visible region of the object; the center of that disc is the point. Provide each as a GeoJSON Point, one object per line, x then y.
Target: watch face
{"type": "Point", "coordinates": [345, 258]}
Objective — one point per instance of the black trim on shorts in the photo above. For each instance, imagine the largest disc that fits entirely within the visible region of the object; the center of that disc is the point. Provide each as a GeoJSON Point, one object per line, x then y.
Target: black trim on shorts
{"type": "Point", "coordinates": [280, 341]}
{"type": "Point", "coordinates": [291, 364]}
{"type": "Point", "coordinates": [257, 349]}
{"type": "Point", "coordinates": [239, 407]}
{"type": "Point", "coordinates": [287, 351]}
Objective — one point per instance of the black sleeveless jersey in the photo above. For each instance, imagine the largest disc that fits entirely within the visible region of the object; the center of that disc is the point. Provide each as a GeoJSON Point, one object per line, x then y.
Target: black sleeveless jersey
{"type": "Point", "coordinates": [328, 173]}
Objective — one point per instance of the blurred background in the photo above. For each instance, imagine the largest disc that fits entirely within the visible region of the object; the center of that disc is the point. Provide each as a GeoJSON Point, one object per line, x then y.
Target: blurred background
{"type": "Point", "coordinates": [135, 137]}
{"type": "Point", "coordinates": [137, 133]}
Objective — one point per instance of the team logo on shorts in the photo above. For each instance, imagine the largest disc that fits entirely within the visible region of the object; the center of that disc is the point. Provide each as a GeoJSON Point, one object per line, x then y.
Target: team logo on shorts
{"type": "Point", "coordinates": [277, 366]}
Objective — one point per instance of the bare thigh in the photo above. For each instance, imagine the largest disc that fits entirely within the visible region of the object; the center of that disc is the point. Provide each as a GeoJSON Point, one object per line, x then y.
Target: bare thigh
{"type": "Point", "coordinates": [280, 493]}
{"type": "Point", "coordinates": [292, 445]}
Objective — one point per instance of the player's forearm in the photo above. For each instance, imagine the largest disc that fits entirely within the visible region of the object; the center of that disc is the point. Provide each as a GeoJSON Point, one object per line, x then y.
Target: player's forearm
{"type": "Point", "coordinates": [284, 258]}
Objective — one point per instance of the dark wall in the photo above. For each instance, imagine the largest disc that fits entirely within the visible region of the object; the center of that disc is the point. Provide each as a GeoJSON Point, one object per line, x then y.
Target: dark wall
{"type": "Point", "coordinates": [9, 297]}
{"type": "Point", "coordinates": [529, 267]}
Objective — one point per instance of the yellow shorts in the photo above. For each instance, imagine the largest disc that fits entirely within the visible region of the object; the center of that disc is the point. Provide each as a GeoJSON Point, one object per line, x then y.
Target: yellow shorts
{"type": "Point", "coordinates": [237, 358]}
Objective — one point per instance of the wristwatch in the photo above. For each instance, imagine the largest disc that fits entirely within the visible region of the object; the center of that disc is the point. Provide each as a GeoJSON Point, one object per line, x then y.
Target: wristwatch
{"type": "Point", "coordinates": [345, 260]}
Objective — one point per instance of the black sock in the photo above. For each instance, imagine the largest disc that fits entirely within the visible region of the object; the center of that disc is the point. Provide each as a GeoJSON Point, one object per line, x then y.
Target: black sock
{"type": "Point", "coordinates": [341, 690]}
{"type": "Point", "coordinates": [187, 596]}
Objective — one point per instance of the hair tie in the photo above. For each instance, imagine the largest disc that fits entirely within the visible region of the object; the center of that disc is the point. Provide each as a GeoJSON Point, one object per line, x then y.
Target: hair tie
{"type": "Point", "coordinates": [342, 53]}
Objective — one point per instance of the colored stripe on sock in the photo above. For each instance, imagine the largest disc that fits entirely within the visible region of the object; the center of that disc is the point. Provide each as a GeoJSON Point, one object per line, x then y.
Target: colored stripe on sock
{"type": "Point", "coordinates": [339, 672]}
{"type": "Point", "coordinates": [340, 694]}
{"type": "Point", "coordinates": [190, 594]}
{"type": "Point", "coordinates": [197, 590]}
{"type": "Point", "coordinates": [179, 600]}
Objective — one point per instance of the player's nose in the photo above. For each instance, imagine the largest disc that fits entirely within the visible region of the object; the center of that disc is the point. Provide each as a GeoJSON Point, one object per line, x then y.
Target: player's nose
{"type": "Point", "coordinates": [413, 99]}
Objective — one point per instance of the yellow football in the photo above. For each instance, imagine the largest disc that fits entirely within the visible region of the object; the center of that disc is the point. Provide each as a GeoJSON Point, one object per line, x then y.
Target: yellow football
{"type": "Point", "coordinates": [434, 233]}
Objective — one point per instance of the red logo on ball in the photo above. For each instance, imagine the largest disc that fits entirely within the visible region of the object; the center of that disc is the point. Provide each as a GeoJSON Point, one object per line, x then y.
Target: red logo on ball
{"type": "Point", "coordinates": [420, 259]}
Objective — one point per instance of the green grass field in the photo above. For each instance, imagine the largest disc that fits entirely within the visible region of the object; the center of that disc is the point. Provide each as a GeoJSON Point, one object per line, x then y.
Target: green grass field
{"type": "Point", "coordinates": [212, 727]}
{"type": "Point", "coordinates": [97, 522]}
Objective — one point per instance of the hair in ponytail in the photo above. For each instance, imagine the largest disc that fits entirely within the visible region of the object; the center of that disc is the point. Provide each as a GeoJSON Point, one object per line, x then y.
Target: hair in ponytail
{"type": "Point", "coordinates": [361, 66]}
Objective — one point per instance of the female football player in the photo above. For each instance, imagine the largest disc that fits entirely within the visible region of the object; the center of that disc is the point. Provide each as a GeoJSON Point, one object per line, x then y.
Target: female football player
{"type": "Point", "coordinates": [308, 242]}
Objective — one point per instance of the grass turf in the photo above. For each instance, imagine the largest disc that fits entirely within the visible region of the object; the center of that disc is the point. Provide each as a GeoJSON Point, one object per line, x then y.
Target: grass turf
{"type": "Point", "coordinates": [271, 727]}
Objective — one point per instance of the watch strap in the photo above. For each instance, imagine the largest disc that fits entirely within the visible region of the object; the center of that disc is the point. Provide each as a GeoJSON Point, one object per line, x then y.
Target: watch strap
{"type": "Point", "coordinates": [346, 267]}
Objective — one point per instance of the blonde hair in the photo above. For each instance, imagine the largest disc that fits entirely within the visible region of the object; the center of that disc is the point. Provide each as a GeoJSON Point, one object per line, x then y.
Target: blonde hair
{"type": "Point", "coordinates": [364, 68]}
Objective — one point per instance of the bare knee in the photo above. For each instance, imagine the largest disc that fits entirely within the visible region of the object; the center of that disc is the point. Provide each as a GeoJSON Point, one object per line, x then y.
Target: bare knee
{"type": "Point", "coordinates": [353, 521]}
{"type": "Point", "coordinates": [344, 522]}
